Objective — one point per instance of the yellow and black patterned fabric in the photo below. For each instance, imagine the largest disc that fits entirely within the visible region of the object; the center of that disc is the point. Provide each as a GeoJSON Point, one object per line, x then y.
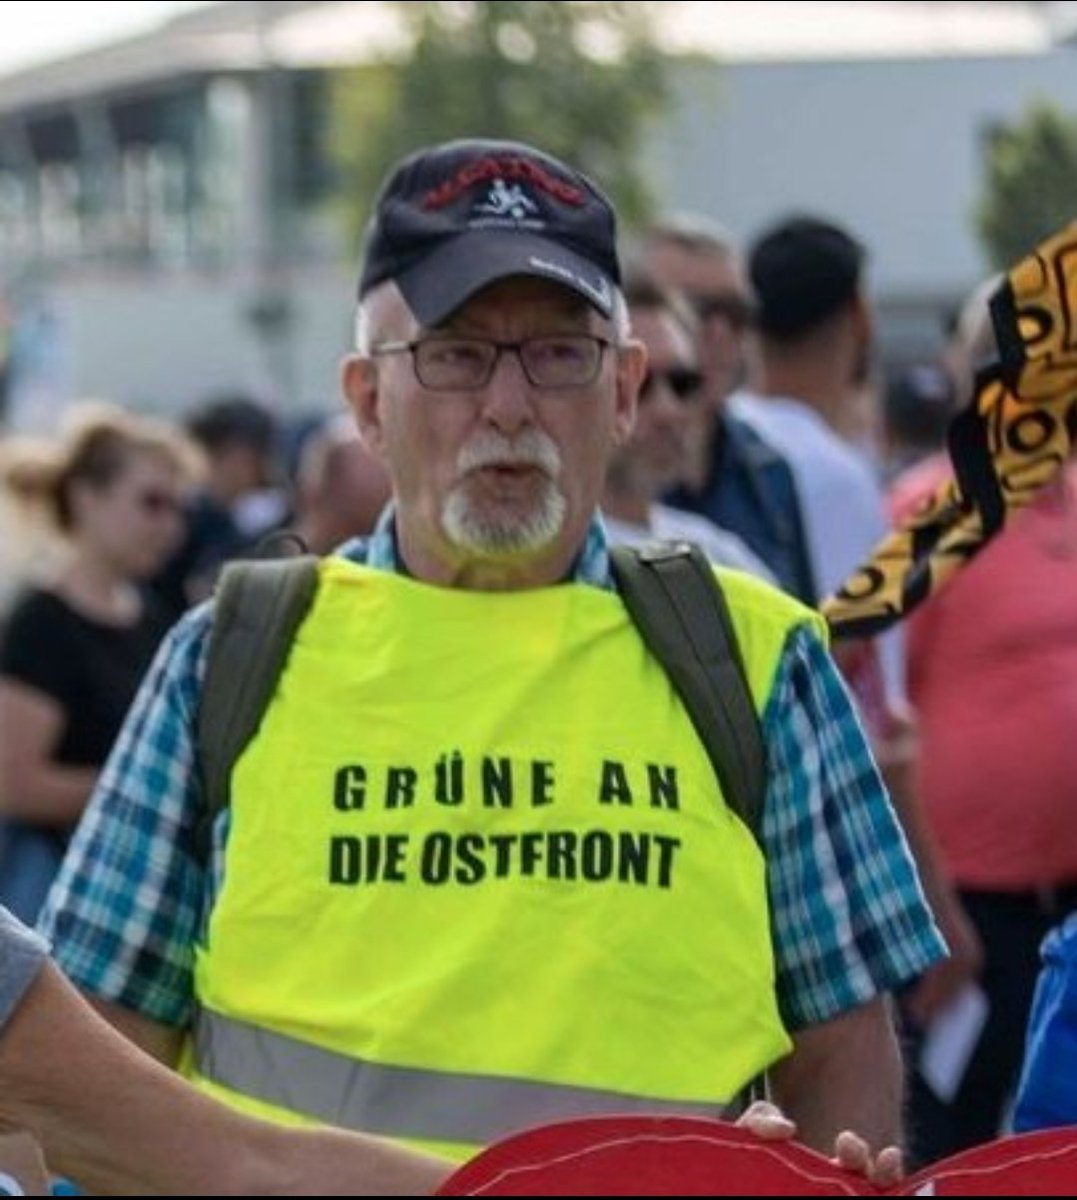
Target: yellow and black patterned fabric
{"type": "Point", "coordinates": [1010, 442]}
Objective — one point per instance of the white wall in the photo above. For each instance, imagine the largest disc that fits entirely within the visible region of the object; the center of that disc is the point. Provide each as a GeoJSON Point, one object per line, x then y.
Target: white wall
{"type": "Point", "coordinates": [1063, 18]}
{"type": "Point", "coordinates": [166, 344]}
{"type": "Point", "coordinates": [892, 149]}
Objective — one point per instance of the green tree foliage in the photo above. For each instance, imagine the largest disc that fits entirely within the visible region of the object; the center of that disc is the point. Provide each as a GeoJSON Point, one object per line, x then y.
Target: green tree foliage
{"type": "Point", "coordinates": [1030, 190]}
{"type": "Point", "coordinates": [580, 80]}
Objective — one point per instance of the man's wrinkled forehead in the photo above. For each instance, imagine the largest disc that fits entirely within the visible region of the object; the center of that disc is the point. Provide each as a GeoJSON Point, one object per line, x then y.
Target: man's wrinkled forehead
{"type": "Point", "coordinates": [711, 270]}
{"type": "Point", "coordinates": [663, 335]}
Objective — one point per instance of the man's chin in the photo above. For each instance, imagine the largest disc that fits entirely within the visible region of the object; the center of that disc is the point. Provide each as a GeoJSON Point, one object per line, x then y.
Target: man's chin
{"type": "Point", "coordinates": [506, 532]}
{"type": "Point", "coordinates": [500, 542]}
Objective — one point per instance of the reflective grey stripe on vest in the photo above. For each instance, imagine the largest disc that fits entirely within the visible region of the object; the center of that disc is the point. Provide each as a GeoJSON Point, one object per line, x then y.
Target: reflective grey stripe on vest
{"type": "Point", "coordinates": [397, 1101]}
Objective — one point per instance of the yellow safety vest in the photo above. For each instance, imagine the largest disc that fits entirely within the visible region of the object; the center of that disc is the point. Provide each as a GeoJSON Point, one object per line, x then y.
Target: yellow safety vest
{"type": "Point", "coordinates": [479, 876]}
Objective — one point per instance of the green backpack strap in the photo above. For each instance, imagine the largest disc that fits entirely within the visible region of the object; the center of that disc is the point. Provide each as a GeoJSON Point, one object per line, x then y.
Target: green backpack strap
{"type": "Point", "coordinates": [258, 608]}
{"type": "Point", "coordinates": [677, 603]}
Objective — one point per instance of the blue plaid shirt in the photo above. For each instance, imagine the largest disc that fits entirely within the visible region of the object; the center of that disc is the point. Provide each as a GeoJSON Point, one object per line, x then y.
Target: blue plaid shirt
{"type": "Point", "coordinates": [849, 918]}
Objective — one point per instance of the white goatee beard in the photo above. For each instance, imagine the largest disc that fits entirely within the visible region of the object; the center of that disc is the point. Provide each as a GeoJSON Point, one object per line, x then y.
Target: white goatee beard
{"type": "Point", "coordinates": [493, 533]}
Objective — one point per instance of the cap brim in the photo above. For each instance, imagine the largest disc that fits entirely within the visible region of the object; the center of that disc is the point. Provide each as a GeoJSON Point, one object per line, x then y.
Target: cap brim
{"type": "Point", "coordinates": [447, 278]}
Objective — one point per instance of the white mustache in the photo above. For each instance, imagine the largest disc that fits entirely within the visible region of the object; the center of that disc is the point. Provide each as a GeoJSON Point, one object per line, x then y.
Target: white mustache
{"type": "Point", "coordinates": [530, 449]}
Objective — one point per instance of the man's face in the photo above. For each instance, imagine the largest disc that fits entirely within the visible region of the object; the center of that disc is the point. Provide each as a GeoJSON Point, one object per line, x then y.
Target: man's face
{"type": "Point", "coordinates": [506, 472]}
{"type": "Point", "coordinates": [715, 284]}
{"type": "Point", "coordinates": [655, 457]}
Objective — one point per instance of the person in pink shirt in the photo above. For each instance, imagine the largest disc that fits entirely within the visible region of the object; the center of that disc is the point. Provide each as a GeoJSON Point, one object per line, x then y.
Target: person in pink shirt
{"type": "Point", "coordinates": [993, 673]}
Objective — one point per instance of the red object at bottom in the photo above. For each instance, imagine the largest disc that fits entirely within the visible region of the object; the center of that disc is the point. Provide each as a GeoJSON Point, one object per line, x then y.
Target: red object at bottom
{"type": "Point", "coordinates": [684, 1156]}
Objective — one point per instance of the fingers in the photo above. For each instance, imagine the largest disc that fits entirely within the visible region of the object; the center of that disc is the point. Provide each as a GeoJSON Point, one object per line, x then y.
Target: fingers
{"type": "Point", "coordinates": [935, 989]}
{"type": "Point", "coordinates": [767, 1122]}
{"type": "Point", "coordinates": [853, 1154]}
{"type": "Point", "coordinates": [889, 1169]}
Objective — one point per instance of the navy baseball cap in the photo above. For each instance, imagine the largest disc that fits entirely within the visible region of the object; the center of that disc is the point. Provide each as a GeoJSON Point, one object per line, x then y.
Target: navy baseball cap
{"type": "Point", "coordinates": [454, 218]}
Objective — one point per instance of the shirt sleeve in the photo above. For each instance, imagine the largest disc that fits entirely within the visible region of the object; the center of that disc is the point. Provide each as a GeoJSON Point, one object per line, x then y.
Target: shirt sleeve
{"type": "Point", "coordinates": [35, 650]}
{"type": "Point", "coordinates": [22, 955]}
{"type": "Point", "coordinates": [127, 907]}
{"type": "Point", "coordinates": [1047, 1092]}
{"type": "Point", "coordinates": [850, 921]}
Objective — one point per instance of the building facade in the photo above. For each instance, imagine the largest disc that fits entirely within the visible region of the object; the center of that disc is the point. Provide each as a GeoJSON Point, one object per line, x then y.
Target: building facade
{"type": "Point", "coordinates": [164, 220]}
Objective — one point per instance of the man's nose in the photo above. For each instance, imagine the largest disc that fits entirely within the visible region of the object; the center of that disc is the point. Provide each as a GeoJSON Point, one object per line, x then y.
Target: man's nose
{"type": "Point", "coordinates": [508, 399]}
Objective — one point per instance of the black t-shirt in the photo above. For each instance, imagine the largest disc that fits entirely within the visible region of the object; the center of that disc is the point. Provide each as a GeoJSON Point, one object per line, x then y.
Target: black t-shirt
{"type": "Point", "coordinates": [92, 670]}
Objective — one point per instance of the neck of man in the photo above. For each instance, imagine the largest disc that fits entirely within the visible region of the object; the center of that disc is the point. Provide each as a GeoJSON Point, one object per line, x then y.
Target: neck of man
{"type": "Point", "coordinates": [823, 382]}
{"type": "Point", "coordinates": [450, 567]}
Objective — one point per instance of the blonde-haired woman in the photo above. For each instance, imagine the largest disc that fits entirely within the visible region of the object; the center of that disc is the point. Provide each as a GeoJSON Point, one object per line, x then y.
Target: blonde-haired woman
{"type": "Point", "coordinates": [28, 540]}
{"type": "Point", "coordinates": [77, 642]}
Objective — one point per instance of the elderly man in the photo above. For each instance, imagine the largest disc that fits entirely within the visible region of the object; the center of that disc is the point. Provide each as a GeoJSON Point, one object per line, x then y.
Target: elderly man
{"type": "Point", "coordinates": [653, 459]}
{"type": "Point", "coordinates": [735, 478]}
{"type": "Point", "coordinates": [476, 872]}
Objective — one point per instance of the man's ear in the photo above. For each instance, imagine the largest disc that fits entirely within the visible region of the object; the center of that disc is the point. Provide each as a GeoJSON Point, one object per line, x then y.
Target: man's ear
{"type": "Point", "coordinates": [359, 382]}
{"type": "Point", "coordinates": [863, 330]}
{"type": "Point", "coordinates": [631, 371]}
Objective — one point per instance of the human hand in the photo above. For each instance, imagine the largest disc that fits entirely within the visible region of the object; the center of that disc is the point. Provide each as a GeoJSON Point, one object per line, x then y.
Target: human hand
{"type": "Point", "coordinates": [767, 1122]}
{"type": "Point", "coordinates": [885, 1169]}
{"type": "Point", "coordinates": [942, 982]}
{"type": "Point", "coordinates": [851, 1152]}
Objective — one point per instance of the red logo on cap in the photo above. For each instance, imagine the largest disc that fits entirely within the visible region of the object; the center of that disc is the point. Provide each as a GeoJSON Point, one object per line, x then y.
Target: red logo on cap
{"type": "Point", "coordinates": [486, 170]}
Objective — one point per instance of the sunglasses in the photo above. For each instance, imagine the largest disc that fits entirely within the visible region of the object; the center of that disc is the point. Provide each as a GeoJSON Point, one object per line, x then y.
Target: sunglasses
{"type": "Point", "coordinates": [737, 311]}
{"type": "Point", "coordinates": [684, 382]}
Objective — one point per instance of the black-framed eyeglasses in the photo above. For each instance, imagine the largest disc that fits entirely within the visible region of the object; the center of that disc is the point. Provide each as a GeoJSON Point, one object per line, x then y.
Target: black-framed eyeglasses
{"type": "Point", "coordinates": [737, 311]}
{"type": "Point", "coordinates": [554, 362]}
{"type": "Point", "coordinates": [684, 382]}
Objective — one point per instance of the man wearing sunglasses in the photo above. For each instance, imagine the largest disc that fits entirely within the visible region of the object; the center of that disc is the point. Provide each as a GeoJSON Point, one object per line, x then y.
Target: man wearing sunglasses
{"type": "Point", "coordinates": [475, 873]}
{"type": "Point", "coordinates": [734, 477]}
{"type": "Point", "coordinates": [653, 459]}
